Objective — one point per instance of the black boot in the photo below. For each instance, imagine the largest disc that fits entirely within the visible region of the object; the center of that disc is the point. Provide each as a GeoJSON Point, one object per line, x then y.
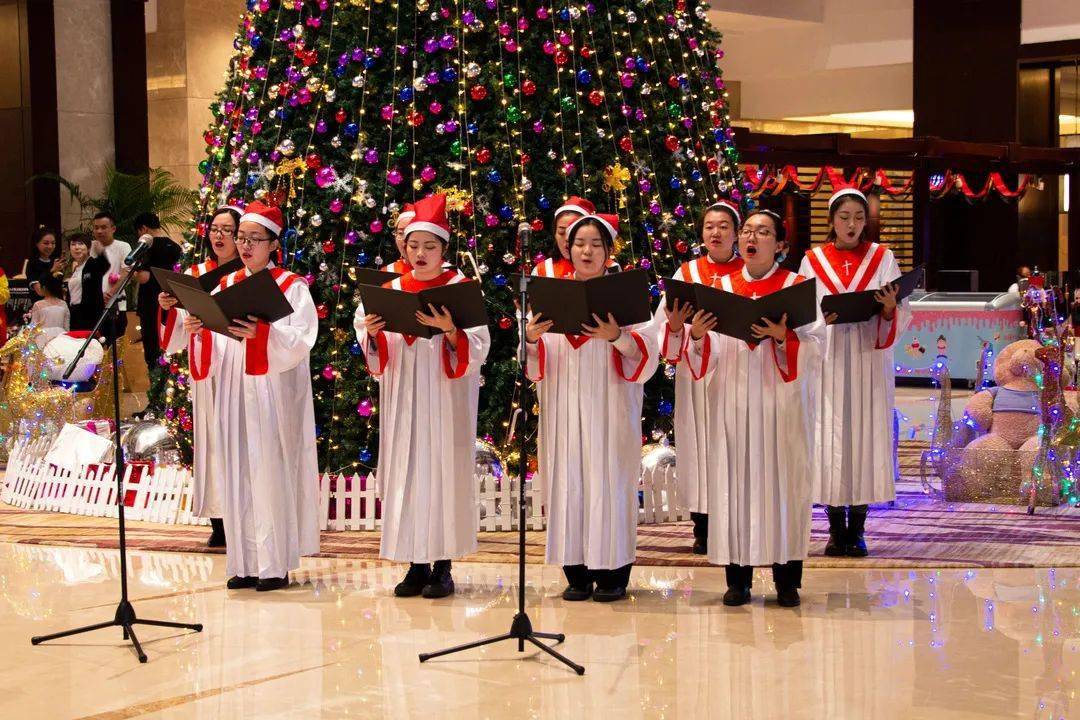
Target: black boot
{"type": "Point", "coordinates": [838, 532]}
{"type": "Point", "coordinates": [788, 579]}
{"type": "Point", "coordinates": [237, 582]}
{"type": "Point", "coordinates": [414, 581]}
{"type": "Point", "coordinates": [441, 583]}
{"type": "Point", "coordinates": [268, 584]}
{"type": "Point", "coordinates": [701, 533]}
{"type": "Point", "coordinates": [611, 584]}
{"type": "Point", "coordinates": [579, 583]}
{"type": "Point", "coordinates": [739, 580]}
{"type": "Point", "coordinates": [217, 534]}
{"type": "Point", "coordinates": [856, 529]}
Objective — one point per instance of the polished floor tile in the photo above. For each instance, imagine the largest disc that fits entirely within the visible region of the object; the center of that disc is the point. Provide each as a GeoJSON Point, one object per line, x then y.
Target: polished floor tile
{"type": "Point", "coordinates": [864, 644]}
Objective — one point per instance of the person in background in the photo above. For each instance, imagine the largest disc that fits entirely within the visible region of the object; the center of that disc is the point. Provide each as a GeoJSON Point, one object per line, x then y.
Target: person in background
{"type": "Point", "coordinates": [44, 257]}
{"type": "Point", "coordinates": [85, 298]}
{"type": "Point", "coordinates": [51, 311]}
{"type": "Point", "coordinates": [165, 254]}
{"type": "Point", "coordinates": [1022, 273]}
{"type": "Point", "coordinates": [106, 244]}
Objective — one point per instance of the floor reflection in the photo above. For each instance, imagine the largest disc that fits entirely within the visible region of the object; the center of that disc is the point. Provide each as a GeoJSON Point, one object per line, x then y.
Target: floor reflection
{"type": "Point", "coordinates": [882, 644]}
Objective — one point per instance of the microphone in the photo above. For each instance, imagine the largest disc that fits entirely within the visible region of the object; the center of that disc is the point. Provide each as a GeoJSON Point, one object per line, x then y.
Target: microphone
{"type": "Point", "coordinates": [524, 232]}
{"type": "Point", "coordinates": [139, 250]}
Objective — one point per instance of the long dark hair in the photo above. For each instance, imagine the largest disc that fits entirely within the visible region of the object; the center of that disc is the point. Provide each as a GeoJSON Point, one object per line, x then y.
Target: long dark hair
{"type": "Point", "coordinates": [40, 234]}
{"type": "Point", "coordinates": [835, 208]}
{"type": "Point", "coordinates": [609, 242]}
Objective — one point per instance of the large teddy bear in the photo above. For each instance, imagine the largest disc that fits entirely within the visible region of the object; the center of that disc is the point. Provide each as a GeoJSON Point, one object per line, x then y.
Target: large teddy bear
{"type": "Point", "coordinates": [996, 463]}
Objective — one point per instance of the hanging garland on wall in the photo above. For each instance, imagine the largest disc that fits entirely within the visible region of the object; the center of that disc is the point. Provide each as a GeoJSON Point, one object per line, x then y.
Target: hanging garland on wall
{"type": "Point", "coordinates": [769, 181]}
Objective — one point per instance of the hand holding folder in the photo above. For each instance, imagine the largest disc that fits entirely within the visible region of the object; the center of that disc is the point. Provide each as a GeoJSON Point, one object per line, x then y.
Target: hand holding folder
{"type": "Point", "coordinates": [399, 309]}
{"type": "Point", "coordinates": [257, 296]}
{"type": "Point", "coordinates": [861, 306]}
{"type": "Point", "coordinates": [570, 304]}
{"type": "Point", "coordinates": [736, 316]}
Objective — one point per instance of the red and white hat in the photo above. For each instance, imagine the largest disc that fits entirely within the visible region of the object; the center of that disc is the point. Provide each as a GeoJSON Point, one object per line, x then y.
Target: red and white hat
{"type": "Point", "coordinates": [576, 204]}
{"type": "Point", "coordinates": [728, 206]}
{"type": "Point", "coordinates": [846, 192]}
{"type": "Point", "coordinates": [430, 217]}
{"type": "Point", "coordinates": [407, 213]}
{"type": "Point", "coordinates": [266, 215]}
{"type": "Point", "coordinates": [609, 222]}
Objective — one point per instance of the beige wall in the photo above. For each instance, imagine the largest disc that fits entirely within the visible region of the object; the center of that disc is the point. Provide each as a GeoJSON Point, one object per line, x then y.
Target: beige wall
{"type": "Point", "coordinates": [187, 53]}
{"type": "Point", "coordinates": [84, 96]}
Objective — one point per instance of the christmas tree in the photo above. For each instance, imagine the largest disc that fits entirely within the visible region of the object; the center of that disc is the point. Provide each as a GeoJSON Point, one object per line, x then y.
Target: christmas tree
{"type": "Point", "coordinates": [343, 111]}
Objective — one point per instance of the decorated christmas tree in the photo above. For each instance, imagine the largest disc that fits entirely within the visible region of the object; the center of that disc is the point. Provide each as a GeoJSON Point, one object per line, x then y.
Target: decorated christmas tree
{"type": "Point", "coordinates": [343, 111]}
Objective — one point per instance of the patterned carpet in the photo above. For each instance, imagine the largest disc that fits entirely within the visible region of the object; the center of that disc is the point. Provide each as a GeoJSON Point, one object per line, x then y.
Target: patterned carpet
{"type": "Point", "coordinates": [916, 531]}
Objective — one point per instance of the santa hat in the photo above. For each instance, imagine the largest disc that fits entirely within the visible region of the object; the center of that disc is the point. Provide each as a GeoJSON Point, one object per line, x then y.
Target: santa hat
{"type": "Point", "coordinates": [726, 206]}
{"type": "Point", "coordinates": [610, 223]}
{"type": "Point", "coordinates": [846, 192]}
{"type": "Point", "coordinates": [267, 216]}
{"type": "Point", "coordinates": [576, 204]}
{"type": "Point", "coordinates": [430, 217]}
{"type": "Point", "coordinates": [407, 213]}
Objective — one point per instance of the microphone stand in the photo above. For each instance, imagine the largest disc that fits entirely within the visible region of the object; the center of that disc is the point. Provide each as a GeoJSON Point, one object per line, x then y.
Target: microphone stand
{"type": "Point", "coordinates": [125, 613]}
{"type": "Point", "coordinates": [521, 628]}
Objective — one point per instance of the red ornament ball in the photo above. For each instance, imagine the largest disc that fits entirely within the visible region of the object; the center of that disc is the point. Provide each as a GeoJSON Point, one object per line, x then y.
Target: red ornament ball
{"type": "Point", "coordinates": [505, 323]}
{"type": "Point", "coordinates": [314, 162]}
{"type": "Point", "coordinates": [537, 225]}
{"type": "Point", "coordinates": [561, 58]}
{"type": "Point", "coordinates": [478, 92]}
{"type": "Point", "coordinates": [586, 52]}
{"type": "Point", "coordinates": [596, 97]}
{"type": "Point", "coordinates": [323, 311]}
{"type": "Point", "coordinates": [528, 87]}
{"type": "Point", "coordinates": [328, 247]}
{"type": "Point", "coordinates": [713, 164]}
{"type": "Point", "coordinates": [416, 119]}
{"type": "Point", "coordinates": [341, 115]}
{"type": "Point", "coordinates": [681, 246]}
{"type": "Point", "coordinates": [671, 143]}
{"type": "Point", "coordinates": [483, 156]}
{"type": "Point", "coordinates": [626, 144]}
{"type": "Point", "coordinates": [526, 158]}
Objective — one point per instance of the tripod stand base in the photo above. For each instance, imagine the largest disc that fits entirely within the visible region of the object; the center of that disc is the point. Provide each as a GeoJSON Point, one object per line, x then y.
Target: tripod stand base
{"type": "Point", "coordinates": [520, 630]}
{"type": "Point", "coordinates": [125, 618]}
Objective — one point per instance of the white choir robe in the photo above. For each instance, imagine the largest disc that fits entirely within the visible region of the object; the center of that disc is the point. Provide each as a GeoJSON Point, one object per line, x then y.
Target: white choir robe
{"type": "Point", "coordinates": [691, 398]}
{"type": "Point", "coordinates": [207, 495]}
{"type": "Point", "coordinates": [759, 440]}
{"type": "Point", "coordinates": [589, 443]}
{"type": "Point", "coordinates": [266, 417]}
{"type": "Point", "coordinates": [429, 392]}
{"type": "Point", "coordinates": [853, 457]}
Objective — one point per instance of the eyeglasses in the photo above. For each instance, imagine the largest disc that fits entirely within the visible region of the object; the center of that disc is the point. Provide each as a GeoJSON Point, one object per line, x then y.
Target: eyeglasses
{"type": "Point", "coordinates": [761, 232]}
{"type": "Point", "coordinates": [244, 239]}
{"type": "Point", "coordinates": [217, 230]}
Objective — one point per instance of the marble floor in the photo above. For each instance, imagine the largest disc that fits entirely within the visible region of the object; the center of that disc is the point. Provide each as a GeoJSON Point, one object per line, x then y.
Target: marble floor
{"type": "Point", "coordinates": [864, 644]}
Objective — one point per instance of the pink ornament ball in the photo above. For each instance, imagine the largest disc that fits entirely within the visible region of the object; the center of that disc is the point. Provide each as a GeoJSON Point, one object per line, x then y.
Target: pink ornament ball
{"type": "Point", "coordinates": [376, 226]}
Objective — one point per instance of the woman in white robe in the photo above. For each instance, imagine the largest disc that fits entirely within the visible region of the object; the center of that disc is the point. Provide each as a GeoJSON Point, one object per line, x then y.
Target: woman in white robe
{"type": "Point", "coordinates": [266, 420]}
{"type": "Point", "coordinates": [760, 425]}
{"type": "Point", "coordinates": [719, 232]}
{"type": "Point", "coordinates": [590, 388]}
{"type": "Point", "coordinates": [429, 391]}
{"type": "Point", "coordinates": [206, 495]}
{"type": "Point", "coordinates": [853, 457]}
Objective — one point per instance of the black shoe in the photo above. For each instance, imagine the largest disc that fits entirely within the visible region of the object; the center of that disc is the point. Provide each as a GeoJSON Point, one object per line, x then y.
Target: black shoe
{"type": "Point", "coordinates": [577, 594]}
{"type": "Point", "coordinates": [608, 594]}
{"type": "Point", "coordinates": [701, 546]}
{"type": "Point", "coordinates": [268, 584]}
{"type": "Point", "coordinates": [441, 582]}
{"type": "Point", "coordinates": [736, 596]}
{"type": "Point", "coordinates": [241, 583]}
{"type": "Point", "coordinates": [788, 597]}
{"type": "Point", "coordinates": [838, 533]}
{"type": "Point", "coordinates": [856, 545]}
{"type": "Point", "coordinates": [414, 581]}
{"type": "Point", "coordinates": [217, 535]}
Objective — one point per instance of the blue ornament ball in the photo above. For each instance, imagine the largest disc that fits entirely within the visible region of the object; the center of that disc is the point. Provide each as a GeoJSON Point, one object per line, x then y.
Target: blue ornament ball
{"type": "Point", "coordinates": [543, 202]}
{"type": "Point", "coordinates": [406, 93]}
{"type": "Point", "coordinates": [675, 183]}
{"type": "Point", "coordinates": [584, 77]}
{"type": "Point", "coordinates": [339, 71]}
{"type": "Point", "coordinates": [365, 456]}
{"type": "Point", "coordinates": [499, 280]}
{"type": "Point", "coordinates": [494, 176]}
{"type": "Point", "coordinates": [473, 128]}
{"type": "Point", "coordinates": [664, 407]}
{"type": "Point", "coordinates": [355, 349]}
{"type": "Point", "coordinates": [654, 291]}
{"type": "Point", "coordinates": [448, 74]}
{"type": "Point", "coordinates": [506, 212]}
{"type": "Point", "coordinates": [564, 14]}
{"type": "Point", "coordinates": [696, 176]}
{"type": "Point", "coordinates": [352, 130]}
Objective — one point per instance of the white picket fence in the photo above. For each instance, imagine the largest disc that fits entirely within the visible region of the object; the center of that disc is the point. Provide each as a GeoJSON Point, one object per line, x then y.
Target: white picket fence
{"type": "Point", "coordinates": [346, 502]}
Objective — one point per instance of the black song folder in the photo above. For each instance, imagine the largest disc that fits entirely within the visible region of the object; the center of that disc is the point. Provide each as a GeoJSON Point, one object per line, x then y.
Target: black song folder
{"type": "Point", "coordinates": [367, 276]}
{"type": "Point", "coordinates": [212, 279]}
{"type": "Point", "coordinates": [861, 306]}
{"type": "Point", "coordinates": [398, 308]}
{"type": "Point", "coordinates": [258, 295]}
{"type": "Point", "coordinates": [569, 304]}
{"type": "Point", "coordinates": [735, 314]}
